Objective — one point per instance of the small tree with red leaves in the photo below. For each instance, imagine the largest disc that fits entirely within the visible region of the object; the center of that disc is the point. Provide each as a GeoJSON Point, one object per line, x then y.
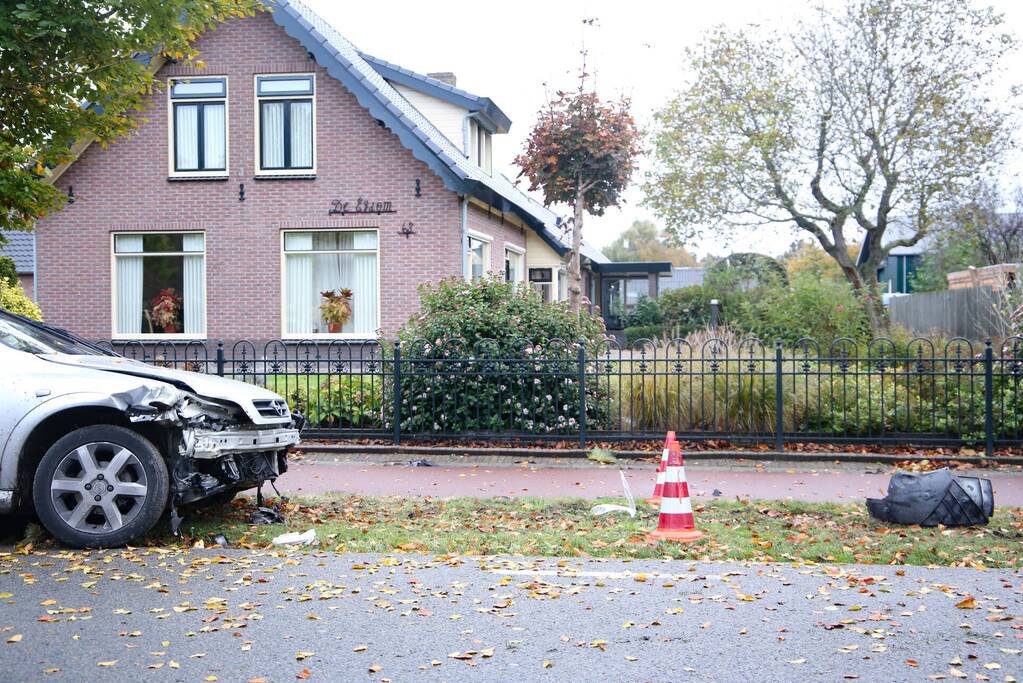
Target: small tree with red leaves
{"type": "Point", "coordinates": [581, 152]}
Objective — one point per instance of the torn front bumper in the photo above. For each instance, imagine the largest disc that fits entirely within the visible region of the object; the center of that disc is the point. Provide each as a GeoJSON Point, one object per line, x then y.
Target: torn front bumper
{"type": "Point", "coordinates": [208, 444]}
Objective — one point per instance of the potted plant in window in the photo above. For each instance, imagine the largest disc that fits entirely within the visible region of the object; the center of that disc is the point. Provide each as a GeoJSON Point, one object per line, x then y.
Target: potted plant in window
{"type": "Point", "coordinates": [165, 309]}
{"type": "Point", "coordinates": [336, 308]}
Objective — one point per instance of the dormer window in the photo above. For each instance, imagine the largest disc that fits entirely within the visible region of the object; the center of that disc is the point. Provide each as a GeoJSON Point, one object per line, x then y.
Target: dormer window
{"type": "Point", "coordinates": [287, 124]}
{"type": "Point", "coordinates": [198, 130]}
{"type": "Point", "coordinates": [480, 146]}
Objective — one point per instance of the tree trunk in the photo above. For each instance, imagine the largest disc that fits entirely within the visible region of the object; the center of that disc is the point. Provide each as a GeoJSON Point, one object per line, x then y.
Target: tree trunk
{"type": "Point", "coordinates": [869, 291]}
{"type": "Point", "coordinates": [864, 282]}
{"type": "Point", "coordinates": [575, 275]}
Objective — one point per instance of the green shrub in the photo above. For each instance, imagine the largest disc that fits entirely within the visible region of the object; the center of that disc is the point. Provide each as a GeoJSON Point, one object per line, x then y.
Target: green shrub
{"type": "Point", "coordinates": [646, 313]}
{"type": "Point", "coordinates": [488, 356]}
{"type": "Point", "coordinates": [821, 309]}
{"type": "Point", "coordinates": [634, 334]}
{"type": "Point", "coordinates": [686, 310]}
{"type": "Point", "coordinates": [8, 271]}
{"type": "Point", "coordinates": [354, 401]}
{"type": "Point", "coordinates": [14, 299]}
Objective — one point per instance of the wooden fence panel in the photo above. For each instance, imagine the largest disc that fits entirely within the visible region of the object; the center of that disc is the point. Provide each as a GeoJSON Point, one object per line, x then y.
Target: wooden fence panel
{"type": "Point", "coordinates": [970, 313]}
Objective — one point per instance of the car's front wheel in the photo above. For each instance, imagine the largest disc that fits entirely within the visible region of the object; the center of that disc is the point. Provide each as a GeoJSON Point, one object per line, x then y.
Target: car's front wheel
{"type": "Point", "coordinates": [101, 486]}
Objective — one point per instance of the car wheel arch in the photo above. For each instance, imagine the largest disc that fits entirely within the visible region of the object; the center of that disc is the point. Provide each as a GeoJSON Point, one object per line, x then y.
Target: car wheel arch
{"type": "Point", "coordinates": [50, 429]}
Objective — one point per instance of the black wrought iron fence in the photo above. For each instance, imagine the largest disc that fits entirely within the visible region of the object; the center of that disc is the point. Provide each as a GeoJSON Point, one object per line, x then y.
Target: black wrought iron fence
{"type": "Point", "coordinates": [884, 393]}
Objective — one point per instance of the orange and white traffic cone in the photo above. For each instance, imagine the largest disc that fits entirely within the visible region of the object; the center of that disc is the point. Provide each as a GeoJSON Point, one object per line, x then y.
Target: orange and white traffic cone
{"type": "Point", "coordinates": [655, 499]}
{"type": "Point", "coordinates": [676, 521]}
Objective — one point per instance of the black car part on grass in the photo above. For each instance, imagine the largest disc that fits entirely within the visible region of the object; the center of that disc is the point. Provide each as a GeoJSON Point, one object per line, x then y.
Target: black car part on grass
{"type": "Point", "coordinates": [935, 498]}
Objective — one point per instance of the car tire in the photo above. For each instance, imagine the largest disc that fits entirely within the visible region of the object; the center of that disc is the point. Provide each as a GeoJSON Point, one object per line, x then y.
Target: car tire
{"type": "Point", "coordinates": [100, 487]}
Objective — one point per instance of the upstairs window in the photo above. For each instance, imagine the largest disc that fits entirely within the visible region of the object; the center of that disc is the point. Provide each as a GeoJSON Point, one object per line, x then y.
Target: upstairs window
{"type": "Point", "coordinates": [480, 146]}
{"type": "Point", "coordinates": [286, 123]}
{"type": "Point", "coordinates": [199, 126]}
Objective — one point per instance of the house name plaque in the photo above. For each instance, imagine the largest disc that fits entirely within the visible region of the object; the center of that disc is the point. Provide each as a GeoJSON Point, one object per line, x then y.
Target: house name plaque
{"type": "Point", "coordinates": [363, 206]}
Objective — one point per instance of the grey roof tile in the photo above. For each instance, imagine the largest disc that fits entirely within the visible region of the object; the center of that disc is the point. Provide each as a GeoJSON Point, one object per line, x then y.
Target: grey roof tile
{"type": "Point", "coordinates": [21, 248]}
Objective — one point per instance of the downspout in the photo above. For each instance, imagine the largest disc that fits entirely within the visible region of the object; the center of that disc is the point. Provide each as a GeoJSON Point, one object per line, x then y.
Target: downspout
{"type": "Point", "coordinates": [465, 236]}
{"type": "Point", "coordinates": [35, 267]}
{"type": "Point", "coordinates": [465, 203]}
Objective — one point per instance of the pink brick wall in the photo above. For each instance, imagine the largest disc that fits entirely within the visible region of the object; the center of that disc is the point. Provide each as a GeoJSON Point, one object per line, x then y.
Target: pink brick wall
{"type": "Point", "coordinates": [502, 233]}
{"type": "Point", "coordinates": [125, 187]}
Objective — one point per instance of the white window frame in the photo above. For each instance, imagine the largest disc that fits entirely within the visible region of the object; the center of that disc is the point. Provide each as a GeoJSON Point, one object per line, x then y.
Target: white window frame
{"type": "Point", "coordinates": [520, 253]}
{"type": "Point", "coordinates": [488, 243]}
{"type": "Point", "coordinates": [258, 126]}
{"type": "Point", "coordinates": [114, 334]}
{"type": "Point", "coordinates": [172, 151]}
{"type": "Point", "coordinates": [284, 288]}
{"type": "Point", "coordinates": [552, 283]}
{"type": "Point", "coordinates": [481, 146]}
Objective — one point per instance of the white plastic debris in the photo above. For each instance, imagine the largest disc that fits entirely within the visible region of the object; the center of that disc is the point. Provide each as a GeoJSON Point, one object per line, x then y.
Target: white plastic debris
{"type": "Point", "coordinates": [605, 508]}
{"type": "Point", "coordinates": [296, 538]}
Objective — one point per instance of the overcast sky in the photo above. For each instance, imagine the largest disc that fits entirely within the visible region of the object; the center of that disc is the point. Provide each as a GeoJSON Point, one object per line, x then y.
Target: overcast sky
{"type": "Point", "coordinates": [516, 52]}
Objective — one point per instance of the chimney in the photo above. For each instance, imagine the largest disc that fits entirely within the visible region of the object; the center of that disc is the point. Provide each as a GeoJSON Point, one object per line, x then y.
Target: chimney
{"type": "Point", "coordinates": [444, 77]}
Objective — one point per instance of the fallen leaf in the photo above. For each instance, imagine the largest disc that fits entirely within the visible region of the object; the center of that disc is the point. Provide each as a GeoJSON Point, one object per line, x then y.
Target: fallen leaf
{"type": "Point", "coordinates": [967, 603]}
{"type": "Point", "coordinates": [16, 638]}
{"type": "Point", "coordinates": [299, 656]}
{"type": "Point", "coordinates": [107, 663]}
{"type": "Point", "coordinates": [547, 664]}
{"type": "Point", "coordinates": [375, 668]}
{"type": "Point", "coordinates": [303, 674]}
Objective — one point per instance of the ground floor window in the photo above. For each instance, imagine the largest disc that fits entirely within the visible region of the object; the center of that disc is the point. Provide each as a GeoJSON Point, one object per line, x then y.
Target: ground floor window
{"type": "Point", "coordinates": [542, 280]}
{"type": "Point", "coordinates": [160, 283]}
{"type": "Point", "coordinates": [320, 265]}
{"type": "Point", "coordinates": [479, 256]}
{"type": "Point", "coordinates": [513, 259]}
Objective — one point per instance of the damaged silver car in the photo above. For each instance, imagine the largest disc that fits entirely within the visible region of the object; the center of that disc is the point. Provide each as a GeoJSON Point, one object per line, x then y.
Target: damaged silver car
{"type": "Point", "coordinates": [100, 446]}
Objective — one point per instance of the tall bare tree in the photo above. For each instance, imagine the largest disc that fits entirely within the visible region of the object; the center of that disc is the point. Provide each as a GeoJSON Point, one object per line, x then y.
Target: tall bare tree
{"type": "Point", "coordinates": [862, 118]}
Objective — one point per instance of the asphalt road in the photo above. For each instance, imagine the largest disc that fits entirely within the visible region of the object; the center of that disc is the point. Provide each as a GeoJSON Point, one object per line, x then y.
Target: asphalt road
{"type": "Point", "coordinates": [235, 615]}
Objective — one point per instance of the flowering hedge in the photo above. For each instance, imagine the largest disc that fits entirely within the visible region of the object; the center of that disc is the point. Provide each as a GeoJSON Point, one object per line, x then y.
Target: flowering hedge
{"type": "Point", "coordinates": [489, 355]}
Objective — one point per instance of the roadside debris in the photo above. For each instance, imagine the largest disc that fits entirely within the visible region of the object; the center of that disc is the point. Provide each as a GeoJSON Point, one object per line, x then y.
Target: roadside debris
{"type": "Point", "coordinates": [602, 456]}
{"type": "Point", "coordinates": [296, 538]}
{"type": "Point", "coordinates": [265, 515]}
{"type": "Point", "coordinates": [605, 508]}
{"type": "Point", "coordinates": [934, 498]}
{"type": "Point", "coordinates": [422, 462]}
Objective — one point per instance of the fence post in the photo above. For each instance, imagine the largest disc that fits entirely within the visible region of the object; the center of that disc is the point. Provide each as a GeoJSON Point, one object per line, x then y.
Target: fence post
{"type": "Point", "coordinates": [220, 358]}
{"type": "Point", "coordinates": [397, 394]}
{"type": "Point", "coordinates": [779, 408]}
{"type": "Point", "coordinates": [581, 359]}
{"type": "Point", "coordinates": [989, 400]}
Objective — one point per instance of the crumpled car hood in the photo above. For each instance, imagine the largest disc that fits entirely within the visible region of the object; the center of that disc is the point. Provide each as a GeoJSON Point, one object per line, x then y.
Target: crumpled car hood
{"type": "Point", "coordinates": [208, 386]}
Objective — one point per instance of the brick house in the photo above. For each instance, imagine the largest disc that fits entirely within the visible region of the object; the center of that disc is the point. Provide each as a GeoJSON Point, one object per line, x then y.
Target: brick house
{"type": "Point", "coordinates": [293, 164]}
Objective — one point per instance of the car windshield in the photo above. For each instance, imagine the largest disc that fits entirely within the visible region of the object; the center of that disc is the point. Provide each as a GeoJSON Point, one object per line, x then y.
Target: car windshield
{"type": "Point", "coordinates": [38, 339]}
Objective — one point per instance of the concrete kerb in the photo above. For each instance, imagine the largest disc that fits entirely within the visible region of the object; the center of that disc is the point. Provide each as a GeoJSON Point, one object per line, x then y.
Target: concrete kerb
{"type": "Point", "coordinates": [575, 457]}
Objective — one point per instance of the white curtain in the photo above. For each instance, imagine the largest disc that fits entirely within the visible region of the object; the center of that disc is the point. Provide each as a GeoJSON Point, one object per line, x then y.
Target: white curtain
{"type": "Point", "coordinates": [328, 268]}
{"type": "Point", "coordinates": [273, 135]}
{"type": "Point", "coordinates": [214, 147]}
{"type": "Point", "coordinates": [129, 284]}
{"type": "Point", "coordinates": [194, 277]}
{"type": "Point", "coordinates": [302, 306]}
{"type": "Point", "coordinates": [186, 131]}
{"type": "Point", "coordinates": [301, 134]}
{"type": "Point", "coordinates": [365, 292]}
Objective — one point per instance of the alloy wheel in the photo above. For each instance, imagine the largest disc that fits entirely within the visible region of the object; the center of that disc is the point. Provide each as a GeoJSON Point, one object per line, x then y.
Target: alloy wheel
{"type": "Point", "coordinates": [99, 487]}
